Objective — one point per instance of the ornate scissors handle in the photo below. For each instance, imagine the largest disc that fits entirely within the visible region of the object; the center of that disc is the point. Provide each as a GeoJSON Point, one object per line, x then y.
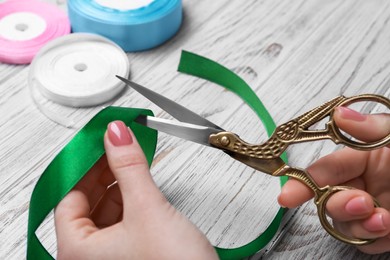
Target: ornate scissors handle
{"type": "Point", "coordinates": [265, 157]}
{"type": "Point", "coordinates": [296, 130]}
{"type": "Point", "coordinates": [338, 137]}
{"type": "Point", "coordinates": [321, 197]}
{"type": "Point", "coordinates": [244, 152]}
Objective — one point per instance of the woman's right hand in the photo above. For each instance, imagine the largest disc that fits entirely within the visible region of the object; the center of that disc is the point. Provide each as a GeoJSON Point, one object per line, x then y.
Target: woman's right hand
{"type": "Point", "coordinates": [353, 211]}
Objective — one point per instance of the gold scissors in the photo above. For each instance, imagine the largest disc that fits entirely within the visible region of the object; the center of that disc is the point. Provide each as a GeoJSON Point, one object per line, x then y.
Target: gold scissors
{"type": "Point", "coordinates": [266, 157]}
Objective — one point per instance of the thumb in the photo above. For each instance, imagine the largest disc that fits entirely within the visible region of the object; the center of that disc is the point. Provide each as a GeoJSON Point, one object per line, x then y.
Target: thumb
{"type": "Point", "coordinates": [366, 128]}
{"type": "Point", "coordinates": [130, 168]}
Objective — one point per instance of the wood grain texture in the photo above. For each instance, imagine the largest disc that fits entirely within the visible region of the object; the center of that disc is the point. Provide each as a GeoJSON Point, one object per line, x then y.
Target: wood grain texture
{"type": "Point", "coordinates": [294, 54]}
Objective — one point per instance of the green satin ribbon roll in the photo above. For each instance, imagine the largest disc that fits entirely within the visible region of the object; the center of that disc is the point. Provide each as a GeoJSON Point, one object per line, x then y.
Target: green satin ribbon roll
{"type": "Point", "coordinates": [85, 149]}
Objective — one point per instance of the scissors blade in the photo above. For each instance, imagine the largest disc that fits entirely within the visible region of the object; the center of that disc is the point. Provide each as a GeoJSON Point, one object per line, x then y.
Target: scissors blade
{"type": "Point", "coordinates": [195, 133]}
{"type": "Point", "coordinates": [174, 109]}
{"type": "Point", "coordinates": [200, 134]}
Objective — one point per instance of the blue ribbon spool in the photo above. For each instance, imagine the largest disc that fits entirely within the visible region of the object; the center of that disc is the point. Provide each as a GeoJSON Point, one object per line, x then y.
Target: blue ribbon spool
{"type": "Point", "coordinates": [134, 29]}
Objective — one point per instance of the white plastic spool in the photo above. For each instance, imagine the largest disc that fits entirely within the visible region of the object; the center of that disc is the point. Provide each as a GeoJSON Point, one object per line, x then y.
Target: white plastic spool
{"type": "Point", "coordinates": [76, 70]}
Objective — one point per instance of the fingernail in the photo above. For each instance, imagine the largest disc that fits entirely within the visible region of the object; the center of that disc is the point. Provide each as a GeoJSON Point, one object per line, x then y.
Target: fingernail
{"type": "Point", "coordinates": [351, 114]}
{"type": "Point", "coordinates": [281, 202]}
{"type": "Point", "coordinates": [358, 206]}
{"type": "Point", "coordinates": [375, 223]}
{"type": "Point", "coordinates": [119, 134]}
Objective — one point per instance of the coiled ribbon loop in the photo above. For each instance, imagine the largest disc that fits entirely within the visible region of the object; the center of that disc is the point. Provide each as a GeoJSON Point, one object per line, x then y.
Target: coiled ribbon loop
{"type": "Point", "coordinates": [76, 71]}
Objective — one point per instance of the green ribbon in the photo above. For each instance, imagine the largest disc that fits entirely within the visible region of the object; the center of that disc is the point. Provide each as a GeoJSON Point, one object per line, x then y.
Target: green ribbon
{"type": "Point", "coordinates": [86, 148]}
{"type": "Point", "coordinates": [73, 162]}
{"type": "Point", "coordinates": [201, 67]}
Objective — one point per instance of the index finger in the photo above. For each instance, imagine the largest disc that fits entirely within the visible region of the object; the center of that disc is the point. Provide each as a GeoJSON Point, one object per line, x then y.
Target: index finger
{"type": "Point", "coordinates": [72, 214]}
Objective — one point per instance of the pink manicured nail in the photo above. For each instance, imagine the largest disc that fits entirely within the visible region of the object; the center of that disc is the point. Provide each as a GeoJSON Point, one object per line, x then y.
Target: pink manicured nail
{"type": "Point", "coordinates": [375, 223]}
{"type": "Point", "coordinates": [281, 202]}
{"type": "Point", "coordinates": [350, 114]}
{"type": "Point", "coordinates": [118, 133]}
{"type": "Point", "coordinates": [358, 206]}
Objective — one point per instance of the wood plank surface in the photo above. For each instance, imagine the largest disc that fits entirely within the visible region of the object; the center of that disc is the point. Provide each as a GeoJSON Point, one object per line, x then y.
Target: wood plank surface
{"type": "Point", "coordinates": [294, 54]}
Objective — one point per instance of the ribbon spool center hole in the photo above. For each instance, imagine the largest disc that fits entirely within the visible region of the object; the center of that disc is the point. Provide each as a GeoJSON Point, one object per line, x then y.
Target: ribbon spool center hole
{"type": "Point", "coordinates": [80, 67]}
{"type": "Point", "coordinates": [21, 27]}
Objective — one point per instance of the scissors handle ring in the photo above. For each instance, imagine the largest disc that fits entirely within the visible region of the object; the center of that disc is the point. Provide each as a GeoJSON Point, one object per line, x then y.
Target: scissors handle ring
{"type": "Point", "coordinates": [321, 197]}
{"type": "Point", "coordinates": [321, 200]}
{"type": "Point", "coordinates": [339, 137]}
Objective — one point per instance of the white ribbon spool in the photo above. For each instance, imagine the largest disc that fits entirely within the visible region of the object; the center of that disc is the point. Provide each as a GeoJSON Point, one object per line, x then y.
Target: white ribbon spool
{"type": "Point", "coordinates": [77, 70]}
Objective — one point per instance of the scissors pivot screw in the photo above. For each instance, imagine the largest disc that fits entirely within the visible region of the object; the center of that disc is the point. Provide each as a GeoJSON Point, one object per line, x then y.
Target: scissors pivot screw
{"type": "Point", "coordinates": [225, 141]}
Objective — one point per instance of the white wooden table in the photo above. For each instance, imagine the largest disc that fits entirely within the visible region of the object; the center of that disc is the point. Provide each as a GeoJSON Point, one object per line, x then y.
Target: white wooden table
{"type": "Point", "coordinates": [294, 54]}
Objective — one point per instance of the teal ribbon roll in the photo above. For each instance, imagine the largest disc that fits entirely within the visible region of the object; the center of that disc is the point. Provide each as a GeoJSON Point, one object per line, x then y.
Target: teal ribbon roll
{"type": "Point", "coordinates": [132, 27]}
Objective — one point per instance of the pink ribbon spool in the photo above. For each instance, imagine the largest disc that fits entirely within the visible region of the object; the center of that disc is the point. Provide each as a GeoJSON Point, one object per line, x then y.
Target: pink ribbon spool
{"type": "Point", "coordinates": [26, 26]}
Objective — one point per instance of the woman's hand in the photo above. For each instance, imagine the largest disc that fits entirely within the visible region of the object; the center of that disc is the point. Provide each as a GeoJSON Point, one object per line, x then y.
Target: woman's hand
{"type": "Point", "coordinates": [353, 211]}
{"type": "Point", "coordinates": [131, 219]}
